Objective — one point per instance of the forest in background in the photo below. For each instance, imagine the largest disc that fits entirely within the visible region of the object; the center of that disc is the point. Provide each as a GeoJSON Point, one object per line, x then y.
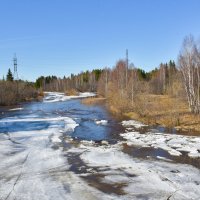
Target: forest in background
{"type": "Point", "coordinates": [172, 89]}
{"type": "Point", "coordinates": [167, 95]}
{"type": "Point", "coordinates": [13, 91]}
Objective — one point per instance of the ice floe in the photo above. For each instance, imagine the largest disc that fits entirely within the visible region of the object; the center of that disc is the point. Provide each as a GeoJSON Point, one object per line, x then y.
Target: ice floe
{"type": "Point", "coordinates": [15, 109]}
{"type": "Point", "coordinates": [31, 168]}
{"type": "Point", "coordinates": [58, 96]}
{"type": "Point", "coordinates": [172, 143]}
{"type": "Point", "coordinates": [143, 179]}
{"type": "Point", "coordinates": [101, 122]}
{"type": "Point", "coordinates": [132, 123]}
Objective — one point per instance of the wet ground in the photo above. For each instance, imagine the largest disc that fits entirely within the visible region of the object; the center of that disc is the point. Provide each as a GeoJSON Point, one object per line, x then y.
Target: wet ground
{"type": "Point", "coordinates": [62, 149]}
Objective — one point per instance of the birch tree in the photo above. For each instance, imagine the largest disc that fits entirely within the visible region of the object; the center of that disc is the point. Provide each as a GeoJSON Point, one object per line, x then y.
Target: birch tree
{"type": "Point", "coordinates": [189, 63]}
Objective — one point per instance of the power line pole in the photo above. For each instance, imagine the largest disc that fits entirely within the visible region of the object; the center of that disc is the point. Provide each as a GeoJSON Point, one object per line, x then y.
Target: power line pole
{"type": "Point", "coordinates": [16, 74]}
{"type": "Point", "coordinates": [15, 68]}
{"type": "Point", "coordinates": [126, 68]}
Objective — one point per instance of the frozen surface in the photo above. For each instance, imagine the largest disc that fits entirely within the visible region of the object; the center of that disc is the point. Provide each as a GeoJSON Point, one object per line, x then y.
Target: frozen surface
{"type": "Point", "coordinates": [173, 144]}
{"type": "Point", "coordinates": [133, 123]}
{"type": "Point", "coordinates": [143, 179]}
{"type": "Point", "coordinates": [31, 168]}
{"type": "Point", "coordinates": [101, 122]}
{"type": "Point", "coordinates": [35, 163]}
{"type": "Point", "coordinates": [14, 109]}
{"type": "Point", "coordinates": [58, 96]}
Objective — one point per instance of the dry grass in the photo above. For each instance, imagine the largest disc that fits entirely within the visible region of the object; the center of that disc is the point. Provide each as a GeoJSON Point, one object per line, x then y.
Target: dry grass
{"type": "Point", "coordinates": [93, 100]}
{"type": "Point", "coordinates": [71, 92]}
{"type": "Point", "coordinates": [156, 110]}
{"type": "Point", "coordinates": [166, 111]}
{"type": "Point", "coordinates": [40, 93]}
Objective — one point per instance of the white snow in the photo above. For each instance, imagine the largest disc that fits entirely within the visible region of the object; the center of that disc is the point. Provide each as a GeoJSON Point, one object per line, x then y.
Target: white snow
{"type": "Point", "coordinates": [101, 122]}
{"type": "Point", "coordinates": [173, 143]}
{"type": "Point", "coordinates": [15, 109]}
{"type": "Point", "coordinates": [34, 165]}
{"type": "Point", "coordinates": [143, 179]}
{"type": "Point", "coordinates": [58, 96]}
{"type": "Point", "coordinates": [30, 169]}
{"type": "Point", "coordinates": [133, 123]}
{"type": "Point", "coordinates": [35, 119]}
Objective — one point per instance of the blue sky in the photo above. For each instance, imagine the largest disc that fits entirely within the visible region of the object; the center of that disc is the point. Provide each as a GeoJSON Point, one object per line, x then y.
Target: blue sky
{"type": "Point", "coordinates": [60, 37]}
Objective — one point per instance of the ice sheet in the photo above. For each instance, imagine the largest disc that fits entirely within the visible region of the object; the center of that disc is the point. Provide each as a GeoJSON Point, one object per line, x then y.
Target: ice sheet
{"type": "Point", "coordinates": [58, 96]}
{"type": "Point", "coordinates": [143, 179]}
{"type": "Point", "coordinates": [101, 122]}
{"type": "Point", "coordinates": [133, 123]}
{"type": "Point", "coordinates": [15, 109]}
{"type": "Point", "coordinates": [174, 144]}
{"type": "Point", "coordinates": [32, 169]}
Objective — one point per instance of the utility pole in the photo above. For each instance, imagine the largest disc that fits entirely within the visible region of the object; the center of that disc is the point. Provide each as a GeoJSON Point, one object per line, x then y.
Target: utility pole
{"type": "Point", "coordinates": [16, 74]}
{"type": "Point", "coordinates": [15, 68]}
{"type": "Point", "coordinates": [126, 68]}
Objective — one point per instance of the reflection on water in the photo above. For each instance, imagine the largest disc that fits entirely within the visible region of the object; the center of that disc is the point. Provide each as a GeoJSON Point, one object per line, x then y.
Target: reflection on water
{"type": "Point", "coordinates": [85, 117]}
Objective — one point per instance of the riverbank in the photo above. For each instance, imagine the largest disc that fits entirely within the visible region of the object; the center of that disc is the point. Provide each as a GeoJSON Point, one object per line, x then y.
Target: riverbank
{"type": "Point", "coordinates": [93, 100]}
{"type": "Point", "coordinates": [15, 92]}
{"type": "Point", "coordinates": [157, 110]}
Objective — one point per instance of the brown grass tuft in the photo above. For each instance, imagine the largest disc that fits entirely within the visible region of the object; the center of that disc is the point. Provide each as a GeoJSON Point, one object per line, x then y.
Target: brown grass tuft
{"type": "Point", "coordinates": [71, 92]}
{"type": "Point", "coordinates": [93, 100]}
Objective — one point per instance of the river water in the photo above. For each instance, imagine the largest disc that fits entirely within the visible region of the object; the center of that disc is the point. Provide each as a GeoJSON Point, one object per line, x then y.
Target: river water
{"type": "Point", "coordinates": [62, 149]}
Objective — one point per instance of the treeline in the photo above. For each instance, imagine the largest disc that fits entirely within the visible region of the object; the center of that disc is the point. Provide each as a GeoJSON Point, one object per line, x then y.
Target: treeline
{"type": "Point", "coordinates": [13, 92]}
{"type": "Point", "coordinates": [127, 87]}
{"type": "Point", "coordinates": [84, 81]}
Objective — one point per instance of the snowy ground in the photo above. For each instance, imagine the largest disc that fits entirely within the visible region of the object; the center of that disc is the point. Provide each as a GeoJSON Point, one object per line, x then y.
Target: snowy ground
{"type": "Point", "coordinates": [136, 178]}
{"type": "Point", "coordinates": [49, 164]}
{"type": "Point", "coordinates": [58, 96]}
{"type": "Point", "coordinates": [172, 143]}
{"type": "Point", "coordinates": [31, 168]}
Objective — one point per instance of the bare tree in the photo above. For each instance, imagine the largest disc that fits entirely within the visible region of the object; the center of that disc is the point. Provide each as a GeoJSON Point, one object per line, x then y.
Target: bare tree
{"type": "Point", "coordinates": [189, 63]}
{"type": "Point", "coordinates": [133, 83]}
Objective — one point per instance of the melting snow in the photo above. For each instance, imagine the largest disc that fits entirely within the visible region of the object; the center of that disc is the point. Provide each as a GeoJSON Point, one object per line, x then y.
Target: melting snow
{"type": "Point", "coordinates": [174, 144]}
{"type": "Point", "coordinates": [143, 179]}
{"type": "Point", "coordinates": [101, 122]}
{"type": "Point", "coordinates": [133, 123]}
{"type": "Point", "coordinates": [15, 109]}
{"type": "Point", "coordinates": [31, 168]}
{"type": "Point", "coordinates": [58, 96]}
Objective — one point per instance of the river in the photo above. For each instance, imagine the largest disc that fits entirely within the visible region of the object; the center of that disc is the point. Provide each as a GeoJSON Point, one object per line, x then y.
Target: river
{"type": "Point", "coordinates": [61, 149]}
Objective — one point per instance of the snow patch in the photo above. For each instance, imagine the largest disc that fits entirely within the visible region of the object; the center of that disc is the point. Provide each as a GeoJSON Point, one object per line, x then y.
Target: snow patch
{"type": "Point", "coordinates": [15, 109]}
{"type": "Point", "coordinates": [133, 123]}
{"type": "Point", "coordinates": [173, 144]}
{"type": "Point", "coordinates": [58, 96]}
{"type": "Point", "coordinates": [147, 179]}
{"type": "Point", "coordinates": [101, 122]}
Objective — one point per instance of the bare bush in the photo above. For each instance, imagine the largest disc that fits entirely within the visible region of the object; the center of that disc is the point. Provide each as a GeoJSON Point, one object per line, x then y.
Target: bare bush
{"type": "Point", "coordinates": [14, 92]}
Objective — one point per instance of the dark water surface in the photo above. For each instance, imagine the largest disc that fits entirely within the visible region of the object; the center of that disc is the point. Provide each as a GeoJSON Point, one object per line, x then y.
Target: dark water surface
{"type": "Point", "coordinates": [85, 117]}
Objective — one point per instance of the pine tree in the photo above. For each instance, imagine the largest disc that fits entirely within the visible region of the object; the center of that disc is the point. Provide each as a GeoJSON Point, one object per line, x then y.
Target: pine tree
{"type": "Point", "coordinates": [9, 76]}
